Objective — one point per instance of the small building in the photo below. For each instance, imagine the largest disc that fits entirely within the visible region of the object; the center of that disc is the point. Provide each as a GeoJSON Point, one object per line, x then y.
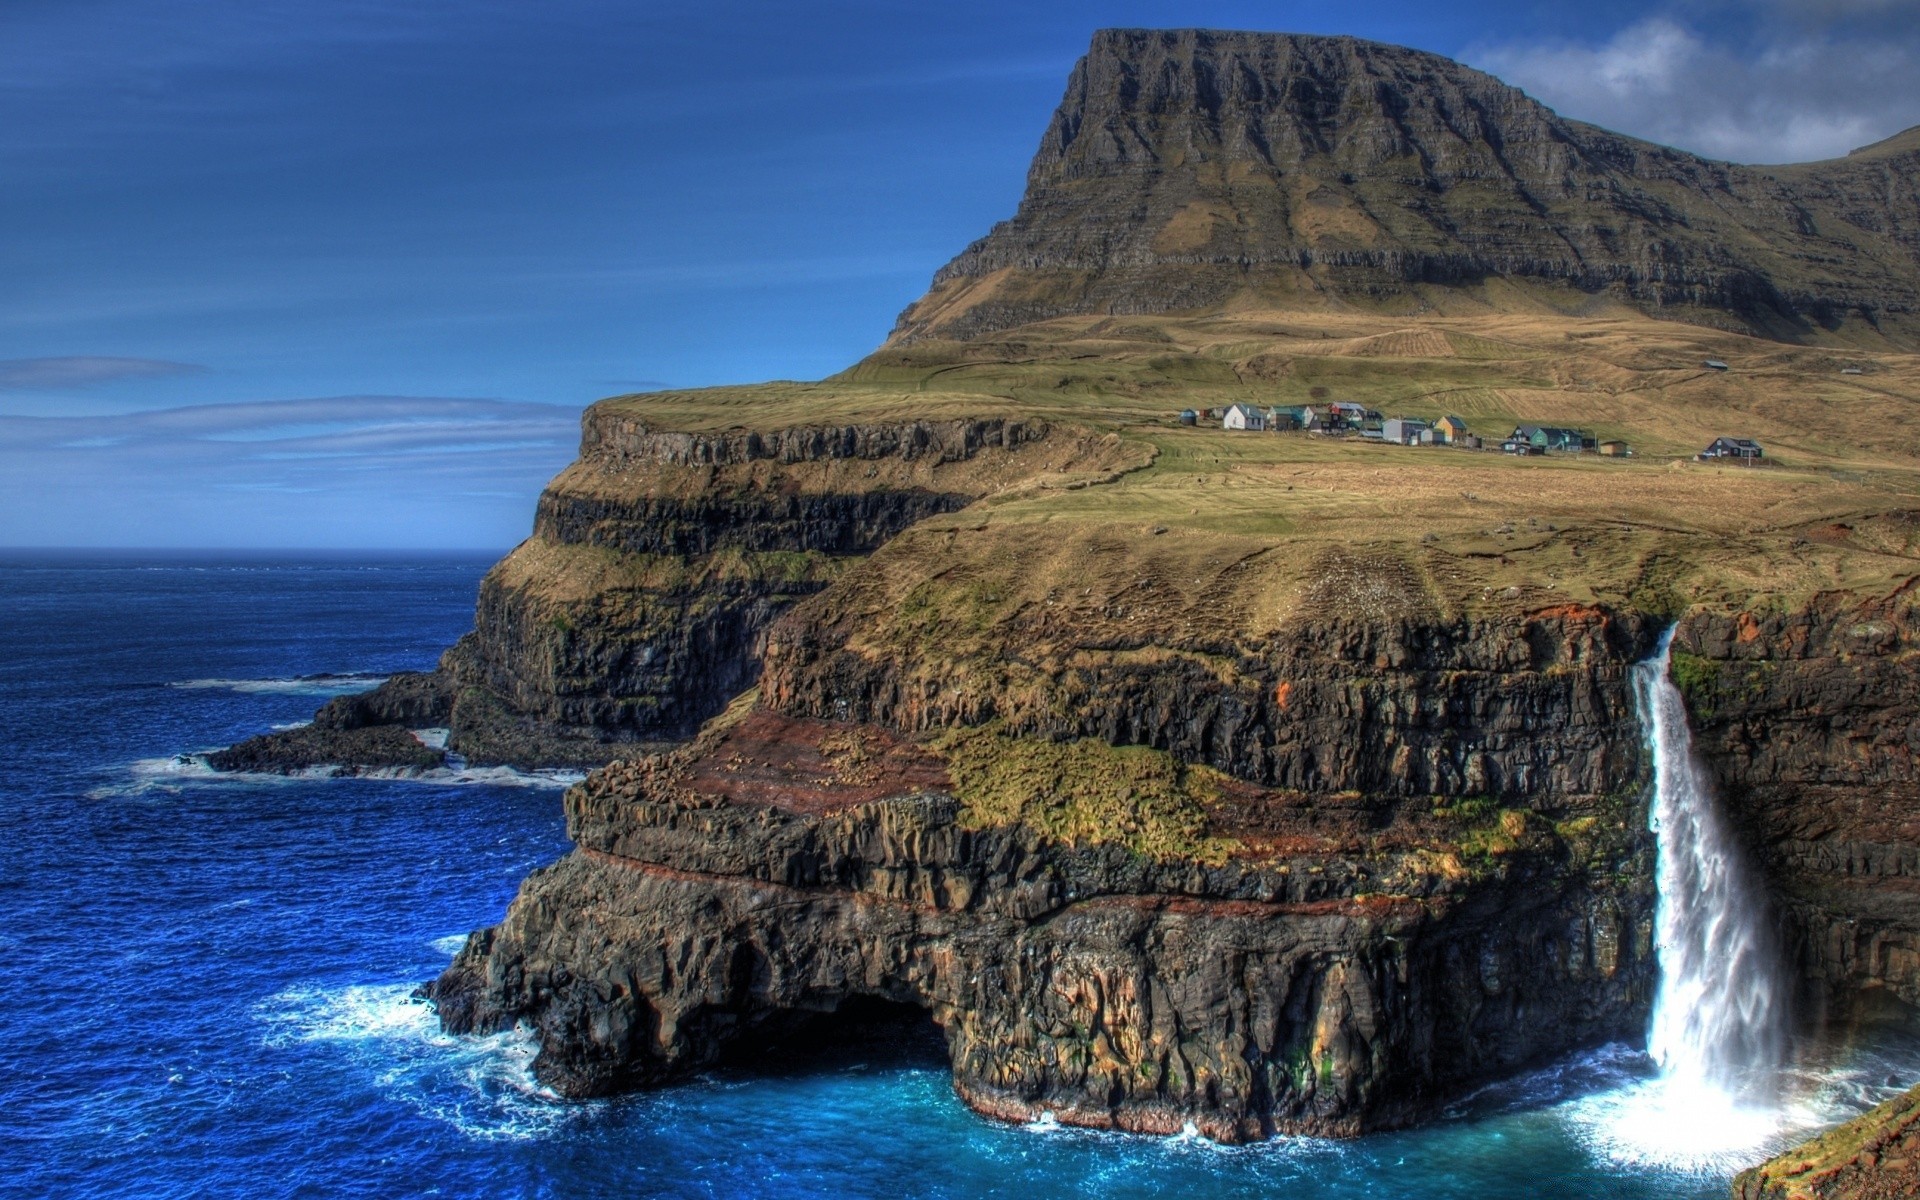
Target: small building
{"type": "Point", "coordinates": [1448, 430]}
{"type": "Point", "coordinates": [1286, 417]}
{"type": "Point", "coordinates": [1403, 431]}
{"type": "Point", "coordinates": [1744, 450]}
{"type": "Point", "coordinates": [1470, 441]}
{"type": "Point", "coordinates": [1714, 364]}
{"type": "Point", "coordinates": [1243, 416]}
{"type": "Point", "coordinates": [1614, 448]}
{"type": "Point", "coordinates": [1554, 437]}
{"type": "Point", "coordinates": [1520, 445]}
{"type": "Point", "coordinates": [1344, 414]}
{"type": "Point", "coordinates": [1189, 417]}
{"type": "Point", "coordinates": [1851, 371]}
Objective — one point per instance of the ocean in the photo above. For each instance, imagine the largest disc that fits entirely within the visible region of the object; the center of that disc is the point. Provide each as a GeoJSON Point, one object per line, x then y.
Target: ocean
{"type": "Point", "coordinates": [211, 977]}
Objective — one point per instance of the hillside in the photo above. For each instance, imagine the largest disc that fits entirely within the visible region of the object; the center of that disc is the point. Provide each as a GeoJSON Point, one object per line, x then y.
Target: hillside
{"type": "Point", "coordinates": [1192, 169]}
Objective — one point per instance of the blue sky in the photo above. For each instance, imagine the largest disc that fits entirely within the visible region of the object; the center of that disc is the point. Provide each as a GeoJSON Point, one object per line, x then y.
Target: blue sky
{"type": "Point", "coordinates": [292, 273]}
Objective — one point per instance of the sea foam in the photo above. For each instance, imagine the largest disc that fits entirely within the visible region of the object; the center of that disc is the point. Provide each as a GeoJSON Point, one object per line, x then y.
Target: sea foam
{"type": "Point", "coordinates": [323, 684]}
{"type": "Point", "coordinates": [482, 1086]}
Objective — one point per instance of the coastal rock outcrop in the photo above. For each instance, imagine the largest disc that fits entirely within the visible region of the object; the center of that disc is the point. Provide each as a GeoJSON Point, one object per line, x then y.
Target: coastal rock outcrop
{"type": "Point", "coordinates": [1318, 963]}
{"type": "Point", "coordinates": [636, 609]}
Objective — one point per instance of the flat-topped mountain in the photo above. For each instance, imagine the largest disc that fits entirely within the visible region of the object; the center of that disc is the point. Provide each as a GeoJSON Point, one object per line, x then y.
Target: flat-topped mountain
{"type": "Point", "coordinates": [1191, 169]}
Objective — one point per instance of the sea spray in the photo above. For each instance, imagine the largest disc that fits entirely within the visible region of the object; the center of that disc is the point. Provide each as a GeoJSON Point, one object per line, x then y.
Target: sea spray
{"type": "Point", "coordinates": [1719, 1015]}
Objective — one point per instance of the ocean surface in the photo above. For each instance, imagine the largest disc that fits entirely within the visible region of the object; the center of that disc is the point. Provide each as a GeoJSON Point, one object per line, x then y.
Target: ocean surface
{"type": "Point", "coordinates": [208, 978]}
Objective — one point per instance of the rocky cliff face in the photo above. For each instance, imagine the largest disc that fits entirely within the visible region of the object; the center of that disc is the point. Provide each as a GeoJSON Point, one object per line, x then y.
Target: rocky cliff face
{"type": "Point", "coordinates": [1414, 855]}
{"type": "Point", "coordinates": [657, 562]}
{"type": "Point", "coordinates": [1336, 960]}
{"type": "Point", "coordinates": [1188, 168]}
{"type": "Point", "coordinates": [1811, 724]}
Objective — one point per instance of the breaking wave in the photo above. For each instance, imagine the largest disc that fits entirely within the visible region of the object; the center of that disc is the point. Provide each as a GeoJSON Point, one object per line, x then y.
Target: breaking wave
{"type": "Point", "coordinates": [325, 683]}
{"type": "Point", "coordinates": [482, 1086]}
{"type": "Point", "coordinates": [171, 775]}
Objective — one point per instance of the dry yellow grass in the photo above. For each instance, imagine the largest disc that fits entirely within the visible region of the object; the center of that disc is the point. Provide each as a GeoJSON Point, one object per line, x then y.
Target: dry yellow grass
{"type": "Point", "coordinates": [1830, 510]}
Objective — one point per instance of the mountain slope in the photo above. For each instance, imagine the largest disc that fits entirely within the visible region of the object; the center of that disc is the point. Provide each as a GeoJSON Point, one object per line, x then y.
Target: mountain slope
{"type": "Point", "coordinates": [1190, 169]}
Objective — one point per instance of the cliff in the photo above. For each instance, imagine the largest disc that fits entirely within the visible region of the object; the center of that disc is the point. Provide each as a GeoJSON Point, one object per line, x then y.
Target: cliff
{"type": "Point", "coordinates": [636, 609]}
{"type": "Point", "coordinates": [1192, 169]}
{"type": "Point", "coordinates": [1262, 782]}
{"type": "Point", "coordinates": [1240, 957]}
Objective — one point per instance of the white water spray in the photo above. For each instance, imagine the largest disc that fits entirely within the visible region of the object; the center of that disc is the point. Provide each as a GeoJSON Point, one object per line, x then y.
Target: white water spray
{"type": "Point", "coordinates": [1719, 1016]}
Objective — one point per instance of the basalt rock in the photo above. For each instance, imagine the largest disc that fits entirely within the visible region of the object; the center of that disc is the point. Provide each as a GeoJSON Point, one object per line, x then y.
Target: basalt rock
{"type": "Point", "coordinates": [1352, 978]}
{"type": "Point", "coordinates": [1810, 722]}
{"type": "Point", "coordinates": [638, 607]}
{"type": "Point", "coordinates": [1875, 1156]}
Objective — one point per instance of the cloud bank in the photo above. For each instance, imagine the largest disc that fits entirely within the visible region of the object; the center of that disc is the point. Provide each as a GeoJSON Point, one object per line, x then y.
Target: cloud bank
{"type": "Point", "coordinates": [1810, 85]}
{"type": "Point", "coordinates": [79, 371]}
{"type": "Point", "coordinates": [390, 471]}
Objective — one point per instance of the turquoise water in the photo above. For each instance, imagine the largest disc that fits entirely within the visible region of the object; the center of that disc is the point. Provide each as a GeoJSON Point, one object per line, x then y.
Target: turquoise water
{"type": "Point", "coordinates": [211, 977]}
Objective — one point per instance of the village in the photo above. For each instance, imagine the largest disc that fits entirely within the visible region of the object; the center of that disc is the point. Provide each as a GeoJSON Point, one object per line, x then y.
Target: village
{"type": "Point", "coordinates": [1347, 419]}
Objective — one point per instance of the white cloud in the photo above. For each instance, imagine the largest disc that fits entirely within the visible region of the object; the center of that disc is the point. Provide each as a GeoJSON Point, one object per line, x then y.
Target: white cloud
{"type": "Point", "coordinates": [81, 370]}
{"type": "Point", "coordinates": [344, 471]}
{"type": "Point", "coordinates": [1791, 98]}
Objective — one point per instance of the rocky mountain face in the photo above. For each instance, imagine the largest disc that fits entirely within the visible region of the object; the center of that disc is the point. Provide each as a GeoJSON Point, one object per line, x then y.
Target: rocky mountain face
{"type": "Point", "coordinates": [1810, 722]}
{"type": "Point", "coordinates": [1346, 964]}
{"type": "Point", "coordinates": [1192, 169]}
{"type": "Point", "coordinates": [1427, 864]}
{"type": "Point", "coordinates": [657, 562]}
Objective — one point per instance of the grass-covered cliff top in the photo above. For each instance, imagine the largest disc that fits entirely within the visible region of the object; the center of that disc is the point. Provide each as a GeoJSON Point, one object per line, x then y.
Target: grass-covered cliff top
{"type": "Point", "coordinates": [1459, 530]}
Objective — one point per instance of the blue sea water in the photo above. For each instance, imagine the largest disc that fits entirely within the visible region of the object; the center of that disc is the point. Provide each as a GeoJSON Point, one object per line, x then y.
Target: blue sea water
{"type": "Point", "coordinates": [207, 988]}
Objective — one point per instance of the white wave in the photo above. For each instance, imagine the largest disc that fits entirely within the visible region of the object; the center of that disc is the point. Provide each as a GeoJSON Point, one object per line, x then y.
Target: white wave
{"type": "Point", "coordinates": [482, 1086]}
{"type": "Point", "coordinates": [164, 775]}
{"type": "Point", "coordinates": [1679, 1125]}
{"type": "Point", "coordinates": [170, 775]}
{"type": "Point", "coordinates": [284, 726]}
{"type": "Point", "coordinates": [432, 739]}
{"type": "Point", "coordinates": [325, 684]}
{"type": "Point", "coordinates": [449, 945]}
{"type": "Point", "coordinates": [470, 776]}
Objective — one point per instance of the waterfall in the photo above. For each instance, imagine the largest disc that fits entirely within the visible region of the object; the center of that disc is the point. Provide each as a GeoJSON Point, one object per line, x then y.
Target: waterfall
{"type": "Point", "coordinates": [1719, 1014]}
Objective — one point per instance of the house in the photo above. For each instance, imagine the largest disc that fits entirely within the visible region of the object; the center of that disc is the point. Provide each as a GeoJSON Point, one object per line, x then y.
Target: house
{"type": "Point", "coordinates": [1287, 416]}
{"type": "Point", "coordinates": [1744, 450]}
{"type": "Point", "coordinates": [1344, 414]}
{"type": "Point", "coordinates": [1189, 417]}
{"type": "Point", "coordinates": [1403, 431]}
{"type": "Point", "coordinates": [1614, 448]}
{"type": "Point", "coordinates": [1449, 429]}
{"type": "Point", "coordinates": [1553, 437]}
{"type": "Point", "coordinates": [1714, 364]}
{"type": "Point", "coordinates": [1243, 416]}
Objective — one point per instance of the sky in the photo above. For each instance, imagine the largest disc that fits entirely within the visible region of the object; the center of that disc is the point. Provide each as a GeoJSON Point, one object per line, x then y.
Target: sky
{"type": "Point", "coordinates": [342, 273]}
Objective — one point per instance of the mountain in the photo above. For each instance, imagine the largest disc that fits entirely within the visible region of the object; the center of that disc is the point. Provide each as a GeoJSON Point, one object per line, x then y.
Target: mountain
{"type": "Point", "coordinates": [1191, 169]}
{"type": "Point", "coordinates": [1246, 782]}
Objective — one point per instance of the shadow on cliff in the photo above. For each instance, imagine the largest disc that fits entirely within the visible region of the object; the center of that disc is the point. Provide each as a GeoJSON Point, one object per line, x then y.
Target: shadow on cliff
{"type": "Point", "coordinates": [864, 1033]}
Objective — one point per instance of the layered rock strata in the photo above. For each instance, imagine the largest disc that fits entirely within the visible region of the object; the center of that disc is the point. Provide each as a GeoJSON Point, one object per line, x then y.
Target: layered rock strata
{"type": "Point", "coordinates": [657, 561]}
{"type": "Point", "coordinates": [1334, 961]}
{"type": "Point", "coordinates": [1810, 723]}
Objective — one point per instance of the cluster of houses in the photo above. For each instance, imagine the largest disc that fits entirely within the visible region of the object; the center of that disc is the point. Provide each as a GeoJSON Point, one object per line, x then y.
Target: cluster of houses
{"type": "Point", "coordinates": [1344, 417]}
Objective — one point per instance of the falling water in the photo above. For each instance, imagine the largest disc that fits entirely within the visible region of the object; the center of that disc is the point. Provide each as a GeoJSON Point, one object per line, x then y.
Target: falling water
{"type": "Point", "coordinates": [1719, 1014]}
